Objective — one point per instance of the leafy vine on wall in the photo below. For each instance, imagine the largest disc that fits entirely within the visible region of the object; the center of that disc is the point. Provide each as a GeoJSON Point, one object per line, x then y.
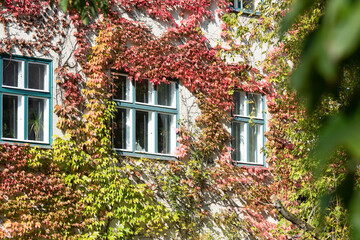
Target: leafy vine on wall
{"type": "Point", "coordinates": [82, 189]}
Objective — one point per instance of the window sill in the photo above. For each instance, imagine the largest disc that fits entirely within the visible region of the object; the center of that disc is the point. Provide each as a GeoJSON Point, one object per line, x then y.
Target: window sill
{"type": "Point", "coordinates": [26, 143]}
{"type": "Point", "coordinates": [157, 156]}
{"type": "Point", "coordinates": [248, 164]}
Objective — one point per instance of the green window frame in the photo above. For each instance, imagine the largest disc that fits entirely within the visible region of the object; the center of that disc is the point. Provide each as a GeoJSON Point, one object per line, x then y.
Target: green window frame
{"type": "Point", "coordinates": [248, 128]}
{"type": "Point", "coordinates": [25, 100]}
{"type": "Point", "coordinates": [146, 118]}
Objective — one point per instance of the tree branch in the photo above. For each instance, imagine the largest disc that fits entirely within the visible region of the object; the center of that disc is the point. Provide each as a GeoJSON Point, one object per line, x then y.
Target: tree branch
{"type": "Point", "coordinates": [292, 218]}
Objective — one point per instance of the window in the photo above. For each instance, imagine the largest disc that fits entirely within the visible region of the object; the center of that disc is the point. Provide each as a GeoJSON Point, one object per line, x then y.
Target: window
{"type": "Point", "coordinates": [146, 117]}
{"type": "Point", "coordinates": [25, 100]}
{"type": "Point", "coordinates": [248, 128]}
{"type": "Point", "coordinates": [247, 6]}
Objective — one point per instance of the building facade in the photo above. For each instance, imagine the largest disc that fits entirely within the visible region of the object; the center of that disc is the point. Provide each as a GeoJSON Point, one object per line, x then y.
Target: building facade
{"type": "Point", "coordinates": [147, 82]}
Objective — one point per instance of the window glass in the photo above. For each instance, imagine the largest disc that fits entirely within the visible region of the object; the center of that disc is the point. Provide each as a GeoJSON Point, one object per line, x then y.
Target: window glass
{"type": "Point", "coordinates": [255, 142]}
{"type": "Point", "coordinates": [248, 5]}
{"type": "Point", "coordinates": [239, 137]}
{"type": "Point", "coordinates": [12, 71]}
{"type": "Point", "coordinates": [239, 98]}
{"type": "Point", "coordinates": [37, 76]}
{"type": "Point", "coordinates": [9, 116]}
{"type": "Point", "coordinates": [122, 88]}
{"type": "Point", "coordinates": [36, 119]}
{"type": "Point", "coordinates": [164, 134]}
{"type": "Point", "coordinates": [142, 92]}
{"type": "Point", "coordinates": [142, 119]}
{"type": "Point", "coordinates": [121, 129]}
{"type": "Point", "coordinates": [165, 94]}
{"type": "Point", "coordinates": [255, 105]}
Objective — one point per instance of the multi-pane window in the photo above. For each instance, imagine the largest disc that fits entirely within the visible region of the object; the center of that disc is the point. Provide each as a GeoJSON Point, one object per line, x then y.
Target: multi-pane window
{"type": "Point", "coordinates": [25, 100]}
{"type": "Point", "coordinates": [246, 5]}
{"type": "Point", "coordinates": [248, 128]}
{"type": "Point", "coordinates": [146, 115]}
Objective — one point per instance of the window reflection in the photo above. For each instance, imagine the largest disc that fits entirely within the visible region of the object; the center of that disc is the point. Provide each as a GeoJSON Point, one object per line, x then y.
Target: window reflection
{"type": "Point", "coordinates": [9, 122]}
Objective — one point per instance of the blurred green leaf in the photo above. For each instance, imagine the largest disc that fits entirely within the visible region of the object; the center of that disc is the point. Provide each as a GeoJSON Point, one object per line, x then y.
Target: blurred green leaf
{"type": "Point", "coordinates": [342, 28]}
{"type": "Point", "coordinates": [346, 189]}
{"type": "Point", "coordinates": [64, 5]}
{"type": "Point", "coordinates": [354, 212]}
{"type": "Point", "coordinates": [324, 204]}
{"type": "Point", "coordinates": [85, 19]}
{"type": "Point", "coordinates": [340, 130]}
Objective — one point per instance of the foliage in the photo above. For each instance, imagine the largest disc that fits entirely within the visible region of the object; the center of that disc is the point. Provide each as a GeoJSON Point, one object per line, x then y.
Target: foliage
{"type": "Point", "coordinates": [86, 9]}
{"type": "Point", "coordinates": [34, 201]}
{"type": "Point", "coordinates": [117, 197]}
{"type": "Point", "coordinates": [292, 133]}
{"type": "Point", "coordinates": [329, 65]}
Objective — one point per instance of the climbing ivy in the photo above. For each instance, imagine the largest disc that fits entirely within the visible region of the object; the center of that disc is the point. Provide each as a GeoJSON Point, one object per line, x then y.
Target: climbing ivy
{"type": "Point", "coordinates": [292, 132]}
{"type": "Point", "coordinates": [82, 189]}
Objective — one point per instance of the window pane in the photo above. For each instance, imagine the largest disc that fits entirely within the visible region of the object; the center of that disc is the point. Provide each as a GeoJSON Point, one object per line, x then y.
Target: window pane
{"type": "Point", "coordinates": [165, 94]}
{"type": "Point", "coordinates": [239, 98]}
{"type": "Point", "coordinates": [12, 71]}
{"type": "Point", "coordinates": [142, 91]}
{"type": "Point", "coordinates": [10, 115]}
{"type": "Point", "coordinates": [248, 4]}
{"type": "Point", "coordinates": [255, 142]}
{"type": "Point", "coordinates": [238, 143]}
{"type": "Point", "coordinates": [142, 119]}
{"type": "Point", "coordinates": [122, 89]}
{"type": "Point", "coordinates": [120, 131]}
{"type": "Point", "coordinates": [164, 134]}
{"type": "Point", "coordinates": [36, 119]}
{"type": "Point", "coordinates": [255, 105]}
{"type": "Point", "coordinates": [37, 75]}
